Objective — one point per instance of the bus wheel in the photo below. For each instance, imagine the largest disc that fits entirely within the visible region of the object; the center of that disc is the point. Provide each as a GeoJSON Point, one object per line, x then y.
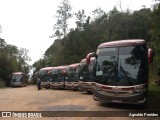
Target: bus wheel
{"type": "Point", "coordinates": [144, 105]}
{"type": "Point", "coordinates": [89, 92]}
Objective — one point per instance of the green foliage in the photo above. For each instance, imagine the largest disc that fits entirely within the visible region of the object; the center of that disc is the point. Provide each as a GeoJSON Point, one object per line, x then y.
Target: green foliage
{"type": "Point", "coordinates": [39, 64]}
{"type": "Point", "coordinates": [80, 19]}
{"type": "Point", "coordinates": [155, 39]}
{"type": "Point", "coordinates": [12, 59]}
{"type": "Point", "coordinates": [153, 96]}
{"type": "Point", "coordinates": [97, 13]}
{"type": "Point", "coordinates": [104, 27]}
{"type": "Point", "coordinates": [63, 14]}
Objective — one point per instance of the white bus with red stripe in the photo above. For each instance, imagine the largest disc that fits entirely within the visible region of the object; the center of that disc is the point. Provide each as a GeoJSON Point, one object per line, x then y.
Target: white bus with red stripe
{"type": "Point", "coordinates": [45, 75]}
{"type": "Point", "coordinates": [58, 77]}
{"type": "Point", "coordinates": [85, 75]}
{"type": "Point", "coordinates": [19, 79]}
{"type": "Point", "coordinates": [121, 71]}
{"type": "Point", "coordinates": [71, 79]}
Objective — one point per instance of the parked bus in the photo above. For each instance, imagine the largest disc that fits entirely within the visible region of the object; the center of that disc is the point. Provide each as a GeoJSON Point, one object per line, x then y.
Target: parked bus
{"type": "Point", "coordinates": [71, 81]}
{"type": "Point", "coordinates": [121, 71]}
{"type": "Point", "coordinates": [19, 79]}
{"type": "Point", "coordinates": [85, 75]}
{"type": "Point", "coordinates": [58, 77]}
{"type": "Point", "coordinates": [45, 76]}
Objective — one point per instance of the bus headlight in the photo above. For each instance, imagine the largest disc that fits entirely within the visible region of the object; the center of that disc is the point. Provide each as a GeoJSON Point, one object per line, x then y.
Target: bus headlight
{"type": "Point", "coordinates": [97, 87]}
{"type": "Point", "coordinates": [139, 89]}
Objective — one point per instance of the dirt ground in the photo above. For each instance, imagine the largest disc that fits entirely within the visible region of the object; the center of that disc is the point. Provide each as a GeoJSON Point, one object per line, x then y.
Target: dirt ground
{"type": "Point", "coordinates": [50, 101]}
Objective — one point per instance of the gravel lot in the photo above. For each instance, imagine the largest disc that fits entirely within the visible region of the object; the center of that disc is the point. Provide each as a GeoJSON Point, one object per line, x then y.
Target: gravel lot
{"type": "Point", "coordinates": [30, 99]}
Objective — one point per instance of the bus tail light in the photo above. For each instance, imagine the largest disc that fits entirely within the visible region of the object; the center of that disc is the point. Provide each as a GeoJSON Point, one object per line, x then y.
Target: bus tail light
{"type": "Point", "coordinates": [49, 73]}
{"type": "Point", "coordinates": [97, 87]}
{"type": "Point", "coordinates": [64, 72]}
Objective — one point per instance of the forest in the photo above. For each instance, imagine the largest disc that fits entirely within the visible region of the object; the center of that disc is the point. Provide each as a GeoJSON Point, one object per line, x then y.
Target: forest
{"type": "Point", "coordinates": [71, 46]}
{"type": "Point", "coordinates": [12, 59]}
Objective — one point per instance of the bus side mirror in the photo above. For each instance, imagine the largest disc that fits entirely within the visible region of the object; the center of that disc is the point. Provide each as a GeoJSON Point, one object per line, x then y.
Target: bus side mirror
{"type": "Point", "coordinates": [150, 55]}
{"type": "Point", "coordinates": [49, 73]}
{"type": "Point", "coordinates": [64, 72]}
{"type": "Point", "coordinates": [88, 57]}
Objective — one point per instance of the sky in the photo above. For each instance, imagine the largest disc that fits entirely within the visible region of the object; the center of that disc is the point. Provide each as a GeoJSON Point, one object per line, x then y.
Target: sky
{"type": "Point", "coordinates": [29, 23]}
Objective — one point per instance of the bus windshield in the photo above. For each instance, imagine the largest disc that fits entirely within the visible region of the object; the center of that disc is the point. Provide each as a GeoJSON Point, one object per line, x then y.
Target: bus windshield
{"type": "Point", "coordinates": [43, 74]}
{"type": "Point", "coordinates": [72, 74]}
{"type": "Point", "coordinates": [82, 64]}
{"type": "Point", "coordinates": [57, 76]}
{"type": "Point", "coordinates": [16, 78]}
{"type": "Point", "coordinates": [85, 73]}
{"type": "Point", "coordinates": [122, 66]}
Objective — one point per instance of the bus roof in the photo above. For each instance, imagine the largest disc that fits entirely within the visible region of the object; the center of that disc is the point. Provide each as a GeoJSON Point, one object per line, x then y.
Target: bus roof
{"type": "Point", "coordinates": [17, 73]}
{"type": "Point", "coordinates": [122, 43]}
{"type": "Point", "coordinates": [47, 68]}
{"type": "Point", "coordinates": [83, 60]}
{"type": "Point", "coordinates": [60, 67]}
{"type": "Point", "coordinates": [74, 65]}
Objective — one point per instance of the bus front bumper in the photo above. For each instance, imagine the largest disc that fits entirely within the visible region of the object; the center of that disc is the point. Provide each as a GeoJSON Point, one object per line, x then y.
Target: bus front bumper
{"type": "Point", "coordinates": [86, 86]}
{"type": "Point", "coordinates": [72, 85]}
{"type": "Point", "coordinates": [136, 98]}
{"type": "Point", "coordinates": [45, 85]}
{"type": "Point", "coordinates": [17, 84]}
{"type": "Point", "coordinates": [57, 85]}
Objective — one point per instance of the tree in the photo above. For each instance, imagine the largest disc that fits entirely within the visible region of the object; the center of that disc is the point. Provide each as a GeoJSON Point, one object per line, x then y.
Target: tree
{"type": "Point", "coordinates": [97, 13]}
{"type": "Point", "coordinates": [0, 29]}
{"type": "Point", "coordinates": [63, 15]}
{"type": "Point", "coordinates": [115, 25]}
{"type": "Point", "coordinates": [41, 63]}
{"type": "Point", "coordinates": [2, 44]}
{"type": "Point", "coordinates": [23, 58]}
{"type": "Point", "coordinates": [80, 19]}
{"type": "Point", "coordinates": [155, 32]}
{"type": "Point", "coordinates": [12, 59]}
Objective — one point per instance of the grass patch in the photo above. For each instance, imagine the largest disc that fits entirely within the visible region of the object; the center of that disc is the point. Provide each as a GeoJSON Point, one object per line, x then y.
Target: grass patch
{"type": "Point", "coordinates": [153, 73]}
{"type": "Point", "coordinates": [154, 87]}
{"type": "Point", "coordinates": [154, 97]}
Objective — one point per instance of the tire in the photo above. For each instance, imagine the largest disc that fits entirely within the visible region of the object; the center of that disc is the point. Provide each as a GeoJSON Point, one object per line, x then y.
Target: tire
{"type": "Point", "coordinates": [89, 92]}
